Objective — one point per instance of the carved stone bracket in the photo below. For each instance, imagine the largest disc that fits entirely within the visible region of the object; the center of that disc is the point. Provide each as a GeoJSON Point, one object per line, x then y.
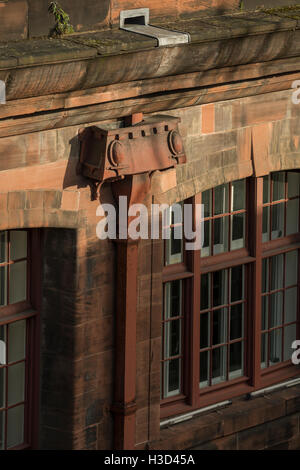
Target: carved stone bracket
{"type": "Point", "coordinates": [110, 155]}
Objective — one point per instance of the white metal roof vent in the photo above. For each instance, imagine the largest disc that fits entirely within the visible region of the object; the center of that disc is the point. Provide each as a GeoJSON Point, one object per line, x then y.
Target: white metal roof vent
{"type": "Point", "coordinates": [137, 21]}
{"type": "Point", "coordinates": [2, 92]}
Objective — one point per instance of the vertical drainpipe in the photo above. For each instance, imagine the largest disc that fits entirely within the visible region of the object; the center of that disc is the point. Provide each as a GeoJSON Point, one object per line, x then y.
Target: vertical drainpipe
{"type": "Point", "coordinates": [135, 188]}
{"type": "Point", "coordinates": [126, 159]}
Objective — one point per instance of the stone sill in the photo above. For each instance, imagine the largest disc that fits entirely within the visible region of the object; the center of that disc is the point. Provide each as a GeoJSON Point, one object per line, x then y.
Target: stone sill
{"type": "Point", "coordinates": [258, 413]}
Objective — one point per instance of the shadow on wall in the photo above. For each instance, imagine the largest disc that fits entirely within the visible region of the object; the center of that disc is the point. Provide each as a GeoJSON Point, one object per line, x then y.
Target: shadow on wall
{"type": "Point", "coordinates": [57, 338]}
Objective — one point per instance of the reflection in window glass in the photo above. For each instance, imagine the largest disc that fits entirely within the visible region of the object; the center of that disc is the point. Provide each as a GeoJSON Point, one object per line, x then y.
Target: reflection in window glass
{"type": "Point", "coordinates": [224, 213]}
{"type": "Point", "coordinates": [221, 235]}
{"type": "Point", "coordinates": [266, 224]}
{"type": "Point", "coordinates": [219, 326]}
{"type": "Point", "coordinates": [13, 337]}
{"type": "Point", "coordinates": [290, 305]}
{"type": "Point", "coordinates": [205, 289]}
{"type": "Point", "coordinates": [174, 244]}
{"type": "Point", "coordinates": [278, 182]}
{"type": "Point", "coordinates": [236, 362]}
{"type": "Point", "coordinates": [281, 211]}
{"type": "Point", "coordinates": [238, 231]}
{"type": "Point", "coordinates": [3, 286]}
{"type": "Point", "coordinates": [238, 195]}
{"type": "Point", "coordinates": [18, 244]}
{"type": "Point", "coordinates": [172, 339]}
{"type": "Point", "coordinates": [17, 341]}
{"type": "Point", "coordinates": [277, 221]}
{"type": "Point", "coordinates": [16, 383]}
{"type": "Point", "coordinates": [293, 179]}
{"type": "Point", "coordinates": [207, 201]}
{"type": "Point", "coordinates": [266, 189]}
{"type": "Point", "coordinates": [2, 430]}
{"type": "Point", "coordinates": [221, 199]}
{"type": "Point", "coordinates": [277, 272]}
{"type": "Point", "coordinates": [289, 338]}
{"type": "Point", "coordinates": [18, 282]}
{"type": "Point", "coordinates": [279, 307]}
{"type": "Point", "coordinates": [236, 321]}
{"type": "Point", "coordinates": [275, 346]}
{"type": "Point", "coordinates": [219, 287]}
{"type": "Point", "coordinates": [291, 268]}
{"type": "Point", "coordinates": [222, 327]}
{"type": "Point", "coordinates": [3, 247]}
{"type": "Point", "coordinates": [204, 369]}
{"type": "Point", "coordinates": [15, 426]}
{"type": "Point", "coordinates": [292, 216]}
{"type": "Point", "coordinates": [219, 364]}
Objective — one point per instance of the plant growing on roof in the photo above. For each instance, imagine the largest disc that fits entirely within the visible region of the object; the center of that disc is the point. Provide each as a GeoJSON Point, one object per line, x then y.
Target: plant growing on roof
{"type": "Point", "coordinates": [62, 25]}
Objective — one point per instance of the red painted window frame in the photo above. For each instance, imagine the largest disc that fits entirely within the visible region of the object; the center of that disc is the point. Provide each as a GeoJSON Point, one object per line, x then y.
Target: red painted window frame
{"type": "Point", "coordinates": [190, 271]}
{"type": "Point", "coordinates": [29, 310]}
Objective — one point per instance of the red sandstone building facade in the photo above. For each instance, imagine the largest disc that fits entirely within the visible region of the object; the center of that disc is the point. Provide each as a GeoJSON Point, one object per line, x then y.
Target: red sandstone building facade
{"type": "Point", "coordinates": [104, 342]}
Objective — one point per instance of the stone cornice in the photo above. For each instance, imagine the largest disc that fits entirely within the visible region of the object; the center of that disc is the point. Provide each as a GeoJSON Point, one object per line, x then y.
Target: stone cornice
{"type": "Point", "coordinates": [84, 61]}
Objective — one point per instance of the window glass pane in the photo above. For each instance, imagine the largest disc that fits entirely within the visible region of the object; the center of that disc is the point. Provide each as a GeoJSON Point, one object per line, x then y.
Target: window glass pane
{"type": "Point", "coordinates": [275, 346]}
{"type": "Point", "coordinates": [15, 426]}
{"type": "Point", "coordinates": [221, 199]}
{"type": "Point", "coordinates": [206, 200]}
{"type": "Point", "coordinates": [17, 339]}
{"type": "Point", "coordinates": [265, 275]}
{"type": "Point", "coordinates": [173, 378]}
{"type": "Point", "coordinates": [220, 235]}
{"type": "Point", "coordinates": [204, 330]}
{"type": "Point", "coordinates": [238, 231]}
{"type": "Point", "coordinates": [204, 368]}
{"type": "Point", "coordinates": [2, 386]}
{"type": "Point", "coordinates": [219, 364]}
{"type": "Point", "coordinates": [277, 221]}
{"type": "Point", "coordinates": [18, 282]}
{"type": "Point", "coordinates": [2, 344]}
{"type": "Point", "coordinates": [236, 363]}
{"type": "Point", "coordinates": [276, 309]}
{"type": "Point", "coordinates": [176, 245]}
{"type": "Point", "coordinates": [173, 250]}
{"type": "Point", "coordinates": [264, 312]}
{"type": "Point", "coordinates": [16, 383]}
{"type": "Point", "coordinates": [276, 272]}
{"type": "Point", "coordinates": [205, 291]}
{"type": "Point", "coordinates": [264, 350]}
{"type": "Point", "coordinates": [237, 283]}
{"type": "Point", "coordinates": [236, 321]}
{"type": "Point", "coordinates": [265, 223]}
{"type": "Point", "coordinates": [206, 249]}
{"type": "Point", "coordinates": [2, 429]}
{"type": "Point", "coordinates": [290, 305]}
{"type": "Point", "coordinates": [266, 189]}
{"type": "Point", "coordinates": [289, 338]}
{"type": "Point", "coordinates": [278, 186]}
{"type": "Point", "coordinates": [220, 326]}
{"type": "Point", "coordinates": [172, 338]}
{"type": "Point", "coordinates": [291, 268]}
{"type": "Point", "coordinates": [3, 247]}
{"type": "Point", "coordinates": [3, 286]}
{"type": "Point", "coordinates": [219, 287]}
{"type": "Point", "coordinates": [238, 195]}
{"type": "Point", "coordinates": [173, 299]}
{"type": "Point", "coordinates": [292, 216]}
{"type": "Point", "coordinates": [18, 244]}
{"type": "Point", "coordinates": [293, 183]}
